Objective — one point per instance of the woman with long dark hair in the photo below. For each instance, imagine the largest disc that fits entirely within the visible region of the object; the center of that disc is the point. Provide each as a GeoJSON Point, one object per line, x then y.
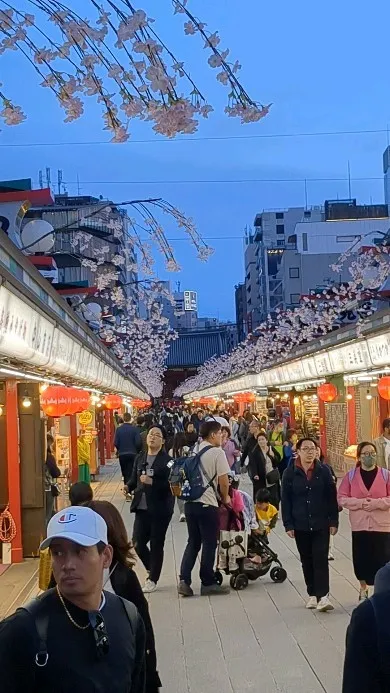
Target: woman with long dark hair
{"type": "Point", "coordinates": [121, 579]}
{"type": "Point", "coordinates": [180, 449]}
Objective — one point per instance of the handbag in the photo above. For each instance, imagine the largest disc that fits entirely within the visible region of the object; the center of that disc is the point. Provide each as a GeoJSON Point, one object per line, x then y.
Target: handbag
{"type": "Point", "coordinates": [54, 490]}
{"type": "Point", "coordinates": [273, 477]}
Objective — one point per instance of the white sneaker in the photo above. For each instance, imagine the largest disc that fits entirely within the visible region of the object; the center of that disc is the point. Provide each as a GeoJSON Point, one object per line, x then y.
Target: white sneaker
{"type": "Point", "coordinates": [325, 604]}
{"type": "Point", "coordinates": [149, 586]}
{"type": "Point", "coordinates": [312, 603]}
{"type": "Point", "coordinates": [363, 594]}
{"type": "Point", "coordinates": [182, 517]}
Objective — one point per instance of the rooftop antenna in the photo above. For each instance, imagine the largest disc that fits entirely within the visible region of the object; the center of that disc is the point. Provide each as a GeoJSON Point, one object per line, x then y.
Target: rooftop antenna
{"type": "Point", "coordinates": [178, 285]}
{"type": "Point", "coordinates": [305, 193]}
{"type": "Point", "coordinates": [59, 181]}
{"type": "Point", "coordinates": [41, 180]}
{"type": "Point", "coordinates": [48, 177]}
{"type": "Point", "coordinates": [349, 182]}
{"type": "Point", "coordinates": [78, 184]}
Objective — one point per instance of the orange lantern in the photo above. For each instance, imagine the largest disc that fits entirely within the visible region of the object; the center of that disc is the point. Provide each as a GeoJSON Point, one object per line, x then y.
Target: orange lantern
{"type": "Point", "coordinates": [113, 402]}
{"type": "Point", "coordinates": [384, 387]}
{"type": "Point", "coordinates": [245, 397]}
{"type": "Point", "coordinates": [327, 392]}
{"type": "Point", "coordinates": [140, 403]}
{"type": "Point", "coordinates": [79, 400]}
{"type": "Point", "coordinates": [55, 401]}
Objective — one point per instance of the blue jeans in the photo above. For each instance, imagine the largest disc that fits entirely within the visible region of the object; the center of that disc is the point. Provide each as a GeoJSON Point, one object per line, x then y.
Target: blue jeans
{"type": "Point", "coordinates": [203, 530]}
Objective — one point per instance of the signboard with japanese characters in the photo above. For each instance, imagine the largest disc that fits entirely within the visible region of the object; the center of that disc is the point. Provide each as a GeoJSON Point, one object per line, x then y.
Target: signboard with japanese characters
{"type": "Point", "coordinates": [379, 349]}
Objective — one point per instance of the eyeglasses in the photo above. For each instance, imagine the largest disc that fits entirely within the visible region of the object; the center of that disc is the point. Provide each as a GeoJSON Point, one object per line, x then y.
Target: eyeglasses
{"type": "Point", "coordinates": [100, 633]}
{"type": "Point", "coordinates": [369, 454]}
{"type": "Point", "coordinates": [308, 449]}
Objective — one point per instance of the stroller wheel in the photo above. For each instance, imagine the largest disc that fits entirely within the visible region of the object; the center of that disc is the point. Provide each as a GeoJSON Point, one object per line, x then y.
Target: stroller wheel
{"type": "Point", "coordinates": [278, 574]}
{"type": "Point", "coordinates": [239, 582]}
{"type": "Point", "coordinates": [218, 577]}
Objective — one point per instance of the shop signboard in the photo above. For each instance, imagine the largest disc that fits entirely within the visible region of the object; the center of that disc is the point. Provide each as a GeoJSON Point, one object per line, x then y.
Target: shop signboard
{"type": "Point", "coordinates": [355, 356]}
{"type": "Point", "coordinates": [61, 357]}
{"type": "Point", "coordinates": [83, 363]}
{"type": "Point", "coordinates": [75, 362]}
{"type": "Point", "coordinates": [24, 333]}
{"type": "Point", "coordinates": [379, 349]}
{"type": "Point", "coordinates": [309, 368]}
{"type": "Point", "coordinates": [85, 418]}
{"type": "Point", "coordinates": [323, 365]}
{"type": "Point", "coordinates": [294, 372]}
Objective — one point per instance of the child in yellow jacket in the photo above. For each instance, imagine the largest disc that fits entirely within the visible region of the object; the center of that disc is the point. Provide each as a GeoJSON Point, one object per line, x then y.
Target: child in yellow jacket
{"type": "Point", "coordinates": [266, 513]}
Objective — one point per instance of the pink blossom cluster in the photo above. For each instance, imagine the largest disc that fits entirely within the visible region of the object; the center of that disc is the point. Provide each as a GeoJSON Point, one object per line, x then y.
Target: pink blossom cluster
{"type": "Point", "coordinates": [118, 58]}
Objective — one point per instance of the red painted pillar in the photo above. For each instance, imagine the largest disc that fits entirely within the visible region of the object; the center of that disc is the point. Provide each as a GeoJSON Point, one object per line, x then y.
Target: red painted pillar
{"type": "Point", "coordinates": [107, 434]}
{"type": "Point", "coordinates": [351, 416]}
{"type": "Point", "coordinates": [74, 471]}
{"type": "Point", "coordinates": [383, 410]}
{"type": "Point", "coordinates": [321, 412]}
{"type": "Point", "coordinates": [13, 466]}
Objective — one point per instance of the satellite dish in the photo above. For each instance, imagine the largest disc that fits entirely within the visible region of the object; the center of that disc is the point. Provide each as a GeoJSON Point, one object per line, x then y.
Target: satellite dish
{"type": "Point", "coordinates": [37, 236]}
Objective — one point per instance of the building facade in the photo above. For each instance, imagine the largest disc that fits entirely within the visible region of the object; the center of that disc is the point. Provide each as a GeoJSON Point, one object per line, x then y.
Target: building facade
{"type": "Point", "coordinates": [241, 312]}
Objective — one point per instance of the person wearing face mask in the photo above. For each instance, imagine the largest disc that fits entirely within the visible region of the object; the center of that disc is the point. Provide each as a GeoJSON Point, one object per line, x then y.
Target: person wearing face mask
{"type": "Point", "coordinates": [365, 492]}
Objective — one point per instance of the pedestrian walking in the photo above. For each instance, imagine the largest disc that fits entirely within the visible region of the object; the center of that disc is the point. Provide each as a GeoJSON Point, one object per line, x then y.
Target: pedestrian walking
{"type": "Point", "coordinates": [230, 448]}
{"type": "Point", "coordinates": [179, 449]}
{"type": "Point", "coordinates": [51, 473]}
{"type": "Point", "coordinates": [269, 459]}
{"type": "Point", "coordinates": [382, 445]}
{"type": "Point", "coordinates": [365, 492]}
{"type": "Point", "coordinates": [75, 637]}
{"type": "Point", "coordinates": [121, 579]}
{"type": "Point", "coordinates": [128, 443]}
{"type": "Point", "coordinates": [191, 435]}
{"type": "Point", "coordinates": [80, 493]}
{"type": "Point", "coordinates": [289, 447]}
{"type": "Point", "coordinates": [277, 437]}
{"type": "Point", "coordinates": [310, 515]}
{"type": "Point", "coordinates": [251, 441]}
{"type": "Point", "coordinates": [202, 515]}
{"type": "Point", "coordinates": [152, 504]}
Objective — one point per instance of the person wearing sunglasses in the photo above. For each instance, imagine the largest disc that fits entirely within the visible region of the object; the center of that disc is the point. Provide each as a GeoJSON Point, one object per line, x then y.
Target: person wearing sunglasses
{"type": "Point", "coordinates": [76, 636]}
{"type": "Point", "coordinates": [365, 492]}
{"type": "Point", "coordinates": [310, 515]}
{"type": "Point", "coordinates": [153, 505]}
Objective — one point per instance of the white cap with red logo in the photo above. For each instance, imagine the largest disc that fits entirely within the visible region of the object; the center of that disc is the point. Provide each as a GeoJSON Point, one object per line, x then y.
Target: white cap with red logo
{"type": "Point", "coordinates": [78, 524]}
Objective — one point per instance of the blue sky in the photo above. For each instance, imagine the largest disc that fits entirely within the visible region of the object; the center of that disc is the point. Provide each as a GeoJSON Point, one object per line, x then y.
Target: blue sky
{"type": "Point", "coordinates": [324, 67]}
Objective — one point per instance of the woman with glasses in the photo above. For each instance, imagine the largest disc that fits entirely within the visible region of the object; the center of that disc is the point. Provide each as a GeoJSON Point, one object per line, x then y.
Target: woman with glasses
{"type": "Point", "coordinates": [153, 505]}
{"type": "Point", "coordinates": [365, 492]}
{"type": "Point", "coordinates": [310, 516]}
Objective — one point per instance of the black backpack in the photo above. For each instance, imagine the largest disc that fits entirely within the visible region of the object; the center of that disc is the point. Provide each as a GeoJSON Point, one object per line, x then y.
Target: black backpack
{"type": "Point", "coordinates": [42, 616]}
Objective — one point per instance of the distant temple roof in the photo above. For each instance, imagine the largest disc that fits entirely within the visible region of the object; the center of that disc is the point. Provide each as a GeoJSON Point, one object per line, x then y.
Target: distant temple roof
{"type": "Point", "coordinates": [192, 350]}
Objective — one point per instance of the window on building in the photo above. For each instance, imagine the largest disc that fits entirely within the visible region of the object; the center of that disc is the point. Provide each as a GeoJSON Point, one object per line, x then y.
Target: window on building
{"type": "Point", "coordinates": [280, 228]}
{"type": "Point", "coordinates": [304, 242]}
{"type": "Point", "coordinates": [279, 215]}
{"type": "Point", "coordinates": [249, 302]}
{"type": "Point", "coordinates": [249, 288]}
{"type": "Point", "coordinates": [294, 272]}
{"type": "Point", "coordinates": [347, 239]}
{"type": "Point", "coordinates": [307, 213]}
{"type": "Point", "coordinates": [280, 243]}
{"type": "Point", "coordinates": [295, 299]}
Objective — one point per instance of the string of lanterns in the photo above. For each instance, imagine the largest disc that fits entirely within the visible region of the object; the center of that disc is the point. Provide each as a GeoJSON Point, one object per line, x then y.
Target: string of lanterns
{"type": "Point", "coordinates": [59, 400]}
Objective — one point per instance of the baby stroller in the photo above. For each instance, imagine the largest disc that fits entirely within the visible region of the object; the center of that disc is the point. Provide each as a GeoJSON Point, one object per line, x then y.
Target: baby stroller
{"type": "Point", "coordinates": [245, 557]}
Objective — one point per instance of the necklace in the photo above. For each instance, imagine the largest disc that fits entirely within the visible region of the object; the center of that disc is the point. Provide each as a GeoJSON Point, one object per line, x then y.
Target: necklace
{"type": "Point", "coordinates": [69, 615]}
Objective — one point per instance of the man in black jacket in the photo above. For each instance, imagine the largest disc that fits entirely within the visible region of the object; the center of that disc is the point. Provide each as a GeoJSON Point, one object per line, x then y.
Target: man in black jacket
{"type": "Point", "coordinates": [367, 656]}
{"type": "Point", "coordinates": [128, 442]}
{"type": "Point", "coordinates": [75, 637]}
{"type": "Point", "coordinates": [310, 515]}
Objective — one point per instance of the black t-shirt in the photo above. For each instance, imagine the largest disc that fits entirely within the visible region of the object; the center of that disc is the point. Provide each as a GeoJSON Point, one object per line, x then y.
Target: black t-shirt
{"type": "Point", "coordinates": [368, 476]}
{"type": "Point", "coordinates": [73, 665]}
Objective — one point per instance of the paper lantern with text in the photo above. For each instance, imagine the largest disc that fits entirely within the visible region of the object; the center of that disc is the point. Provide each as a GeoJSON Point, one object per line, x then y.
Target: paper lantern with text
{"type": "Point", "coordinates": [327, 392]}
{"type": "Point", "coordinates": [55, 401]}
{"type": "Point", "coordinates": [140, 403]}
{"type": "Point", "coordinates": [384, 387]}
{"type": "Point", "coordinates": [113, 402]}
{"type": "Point", "coordinates": [79, 400]}
{"type": "Point", "coordinates": [246, 397]}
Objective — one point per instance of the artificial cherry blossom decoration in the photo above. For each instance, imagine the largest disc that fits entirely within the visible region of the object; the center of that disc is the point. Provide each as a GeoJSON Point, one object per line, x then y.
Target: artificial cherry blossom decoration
{"type": "Point", "coordinates": [115, 54]}
{"type": "Point", "coordinates": [277, 338]}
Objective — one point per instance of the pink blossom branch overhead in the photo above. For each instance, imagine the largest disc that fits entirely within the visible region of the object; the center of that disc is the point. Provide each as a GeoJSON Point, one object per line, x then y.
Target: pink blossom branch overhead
{"type": "Point", "coordinates": [117, 56]}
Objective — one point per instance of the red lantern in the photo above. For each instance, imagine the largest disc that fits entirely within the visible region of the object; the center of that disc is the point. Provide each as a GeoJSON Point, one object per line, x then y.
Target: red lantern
{"type": "Point", "coordinates": [140, 403]}
{"type": "Point", "coordinates": [55, 401]}
{"type": "Point", "coordinates": [79, 400]}
{"type": "Point", "coordinates": [113, 402]}
{"type": "Point", "coordinates": [245, 397]}
{"type": "Point", "coordinates": [327, 392]}
{"type": "Point", "coordinates": [384, 387]}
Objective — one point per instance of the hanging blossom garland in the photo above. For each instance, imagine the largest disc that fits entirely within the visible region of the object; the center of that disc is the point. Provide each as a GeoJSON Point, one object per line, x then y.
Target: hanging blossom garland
{"type": "Point", "coordinates": [119, 58]}
{"type": "Point", "coordinates": [277, 338]}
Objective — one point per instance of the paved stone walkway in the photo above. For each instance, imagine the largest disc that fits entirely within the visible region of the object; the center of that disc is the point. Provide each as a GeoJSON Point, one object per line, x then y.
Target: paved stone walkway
{"type": "Point", "coordinates": [261, 639]}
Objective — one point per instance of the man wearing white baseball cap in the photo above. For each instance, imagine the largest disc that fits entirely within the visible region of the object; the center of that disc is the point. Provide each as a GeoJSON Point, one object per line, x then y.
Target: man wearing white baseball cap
{"type": "Point", "coordinates": [75, 637]}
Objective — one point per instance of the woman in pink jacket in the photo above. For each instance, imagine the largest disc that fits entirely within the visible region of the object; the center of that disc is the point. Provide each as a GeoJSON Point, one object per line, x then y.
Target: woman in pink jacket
{"type": "Point", "coordinates": [365, 492]}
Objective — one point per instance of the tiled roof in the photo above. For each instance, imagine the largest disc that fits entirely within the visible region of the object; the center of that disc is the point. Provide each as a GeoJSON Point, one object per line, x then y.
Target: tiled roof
{"type": "Point", "coordinates": [194, 349]}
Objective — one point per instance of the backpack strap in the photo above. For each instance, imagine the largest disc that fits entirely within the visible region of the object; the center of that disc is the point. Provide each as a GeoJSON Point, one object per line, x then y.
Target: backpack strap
{"type": "Point", "coordinates": [41, 620]}
{"type": "Point", "coordinates": [131, 613]}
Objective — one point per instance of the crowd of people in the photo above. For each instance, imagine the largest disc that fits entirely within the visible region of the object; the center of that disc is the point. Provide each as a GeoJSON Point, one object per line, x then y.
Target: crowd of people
{"type": "Point", "coordinates": [95, 604]}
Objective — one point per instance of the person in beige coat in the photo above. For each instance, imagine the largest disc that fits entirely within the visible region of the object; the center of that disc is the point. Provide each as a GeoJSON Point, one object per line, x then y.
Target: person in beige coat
{"type": "Point", "coordinates": [382, 445]}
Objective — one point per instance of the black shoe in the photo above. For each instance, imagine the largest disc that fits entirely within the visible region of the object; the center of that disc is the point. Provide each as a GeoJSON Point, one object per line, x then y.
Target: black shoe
{"type": "Point", "coordinates": [185, 590]}
{"type": "Point", "coordinates": [209, 590]}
